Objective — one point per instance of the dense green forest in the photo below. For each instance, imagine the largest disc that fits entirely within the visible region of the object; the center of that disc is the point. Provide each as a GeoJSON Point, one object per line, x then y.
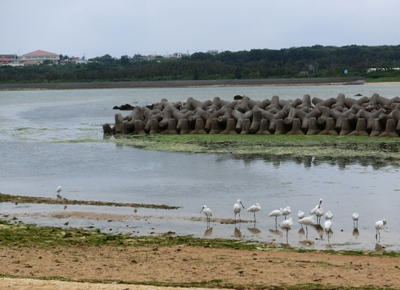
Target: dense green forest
{"type": "Point", "coordinates": [296, 62]}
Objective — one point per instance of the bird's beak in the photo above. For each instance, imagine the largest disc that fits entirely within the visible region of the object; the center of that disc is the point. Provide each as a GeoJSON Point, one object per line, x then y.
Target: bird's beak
{"type": "Point", "coordinates": [201, 209]}
{"type": "Point", "coordinates": [242, 204]}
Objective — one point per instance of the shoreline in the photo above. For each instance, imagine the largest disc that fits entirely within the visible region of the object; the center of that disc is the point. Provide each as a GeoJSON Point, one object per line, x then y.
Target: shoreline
{"type": "Point", "coordinates": [182, 84]}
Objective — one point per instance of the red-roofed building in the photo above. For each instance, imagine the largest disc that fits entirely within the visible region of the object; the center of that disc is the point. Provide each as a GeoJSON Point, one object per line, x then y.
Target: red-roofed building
{"type": "Point", "coordinates": [39, 56]}
{"type": "Point", "coordinates": [5, 60]}
{"type": "Point", "coordinates": [9, 59]}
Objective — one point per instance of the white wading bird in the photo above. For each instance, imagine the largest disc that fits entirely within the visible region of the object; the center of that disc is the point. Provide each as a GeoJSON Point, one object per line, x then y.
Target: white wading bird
{"type": "Point", "coordinates": [300, 215]}
{"type": "Point", "coordinates": [378, 226]}
{"type": "Point", "coordinates": [237, 207]}
{"type": "Point", "coordinates": [254, 208]}
{"type": "Point", "coordinates": [286, 211]}
{"type": "Point", "coordinates": [314, 210]}
{"type": "Point", "coordinates": [276, 213]}
{"type": "Point", "coordinates": [307, 221]}
{"type": "Point", "coordinates": [319, 213]}
{"type": "Point", "coordinates": [328, 215]}
{"type": "Point", "coordinates": [355, 217]}
{"type": "Point", "coordinates": [328, 228]}
{"type": "Point", "coordinates": [207, 212]}
{"type": "Point", "coordinates": [286, 225]}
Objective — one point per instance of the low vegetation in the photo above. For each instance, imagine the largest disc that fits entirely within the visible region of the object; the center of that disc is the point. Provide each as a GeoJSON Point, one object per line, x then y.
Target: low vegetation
{"type": "Point", "coordinates": [295, 62]}
{"type": "Point", "coordinates": [378, 149]}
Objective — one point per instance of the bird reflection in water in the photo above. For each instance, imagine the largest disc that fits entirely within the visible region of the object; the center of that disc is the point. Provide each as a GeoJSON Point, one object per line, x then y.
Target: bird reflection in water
{"type": "Point", "coordinates": [276, 232]}
{"type": "Point", "coordinates": [208, 231]}
{"type": "Point", "coordinates": [301, 232]}
{"type": "Point", "coordinates": [319, 229]}
{"type": "Point", "coordinates": [254, 231]}
{"type": "Point", "coordinates": [356, 233]}
{"type": "Point", "coordinates": [379, 248]}
{"type": "Point", "coordinates": [307, 243]}
{"type": "Point", "coordinates": [237, 233]}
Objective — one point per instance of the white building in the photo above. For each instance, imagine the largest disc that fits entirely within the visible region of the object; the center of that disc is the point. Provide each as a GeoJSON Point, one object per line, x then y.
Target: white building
{"type": "Point", "coordinates": [39, 56]}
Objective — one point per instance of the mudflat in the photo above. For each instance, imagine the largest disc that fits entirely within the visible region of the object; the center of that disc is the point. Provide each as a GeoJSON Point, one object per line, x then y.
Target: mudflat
{"type": "Point", "coordinates": [191, 266]}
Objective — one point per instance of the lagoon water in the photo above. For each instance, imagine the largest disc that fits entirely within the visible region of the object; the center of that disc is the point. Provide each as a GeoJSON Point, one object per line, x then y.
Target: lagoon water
{"type": "Point", "coordinates": [51, 138]}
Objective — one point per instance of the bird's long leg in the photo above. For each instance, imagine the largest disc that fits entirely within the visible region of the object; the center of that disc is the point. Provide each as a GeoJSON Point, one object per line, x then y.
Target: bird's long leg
{"type": "Point", "coordinates": [276, 222]}
{"type": "Point", "coordinates": [287, 240]}
{"type": "Point", "coordinates": [306, 232]}
{"type": "Point", "coordinates": [254, 217]}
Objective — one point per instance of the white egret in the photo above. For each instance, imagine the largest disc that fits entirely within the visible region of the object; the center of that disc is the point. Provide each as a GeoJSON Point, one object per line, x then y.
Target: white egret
{"type": "Point", "coordinates": [314, 210]}
{"type": "Point", "coordinates": [328, 215]}
{"type": "Point", "coordinates": [207, 212]}
{"type": "Point", "coordinates": [378, 226]}
{"type": "Point", "coordinates": [355, 217]}
{"type": "Point", "coordinates": [58, 191]}
{"type": "Point", "coordinates": [237, 207]}
{"type": "Point", "coordinates": [276, 213]}
{"type": "Point", "coordinates": [254, 208]}
{"type": "Point", "coordinates": [286, 211]}
{"type": "Point", "coordinates": [286, 225]}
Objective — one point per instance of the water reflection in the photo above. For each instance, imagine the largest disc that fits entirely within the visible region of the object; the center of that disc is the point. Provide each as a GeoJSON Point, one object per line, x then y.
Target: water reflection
{"type": "Point", "coordinates": [208, 231]}
{"type": "Point", "coordinates": [307, 243]}
{"type": "Point", "coordinates": [237, 233]}
{"type": "Point", "coordinates": [276, 232]}
{"type": "Point", "coordinates": [254, 231]}
{"type": "Point", "coordinates": [310, 161]}
{"type": "Point", "coordinates": [379, 248]}
{"type": "Point", "coordinates": [356, 233]}
{"type": "Point", "coordinates": [319, 229]}
{"type": "Point", "coordinates": [329, 234]}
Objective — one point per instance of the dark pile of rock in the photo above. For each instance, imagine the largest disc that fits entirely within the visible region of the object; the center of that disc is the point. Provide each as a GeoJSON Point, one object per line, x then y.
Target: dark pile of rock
{"type": "Point", "coordinates": [364, 116]}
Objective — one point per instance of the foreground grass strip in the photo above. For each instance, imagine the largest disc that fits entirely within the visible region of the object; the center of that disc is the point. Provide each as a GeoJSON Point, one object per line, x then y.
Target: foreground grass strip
{"type": "Point", "coordinates": [47, 200]}
{"type": "Point", "coordinates": [29, 235]}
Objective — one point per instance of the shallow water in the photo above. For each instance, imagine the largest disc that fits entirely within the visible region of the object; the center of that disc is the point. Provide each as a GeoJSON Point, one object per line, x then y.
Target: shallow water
{"type": "Point", "coordinates": [51, 138]}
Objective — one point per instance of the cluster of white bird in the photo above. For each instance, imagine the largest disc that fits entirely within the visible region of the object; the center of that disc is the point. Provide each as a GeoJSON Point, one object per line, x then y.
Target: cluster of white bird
{"type": "Point", "coordinates": [287, 224]}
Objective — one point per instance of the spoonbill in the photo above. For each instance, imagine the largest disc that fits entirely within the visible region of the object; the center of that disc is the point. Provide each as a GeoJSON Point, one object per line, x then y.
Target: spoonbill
{"type": "Point", "coordinates": [328, 228]}
{"type": "Point", "coordinates": [300, 215]}
{"type": "Point", "coordinates": [319, 213]}
{"type": "Point", "coordinates": [328, 225]}
{"type": "Point", "coordinates": [276, 213]}
{"type": "Point", "coordinates": [58, 191]}
{"type": "Point", "coordinates": [328, 215]}
{"type": "Point", "coordinates": [286, 211]}
{"type": "Point", "coordinates": [378, 226]}
{"type": "Point", "coordinates": [355, 217]}
{"type": "Point", "coordinates": [254, 208]}
{"type": "Point", "coordinates": [237, 207]}
{"type": "Point", "coordinates": [314, 210]}
{"type": "Point", "coordinates": [307, 221]}
{"type": "Point", "coordinates": [286, 225]}
{"type": "Point", "coordinates": [207, 212]}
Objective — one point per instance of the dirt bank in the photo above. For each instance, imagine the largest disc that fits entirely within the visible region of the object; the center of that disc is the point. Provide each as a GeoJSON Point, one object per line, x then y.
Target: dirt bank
{"type": "Point", "coordinates": [120, 267]}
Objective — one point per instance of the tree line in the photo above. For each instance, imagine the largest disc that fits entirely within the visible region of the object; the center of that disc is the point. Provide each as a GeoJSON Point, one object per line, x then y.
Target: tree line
{"type": "Point", "coordinates": [295, 62]}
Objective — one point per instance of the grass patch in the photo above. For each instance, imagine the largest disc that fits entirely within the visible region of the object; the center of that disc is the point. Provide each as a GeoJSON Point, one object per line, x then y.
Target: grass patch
{"type": "Point", "coordinates": [29, 235]}
{"type": "Point", "coordinates": [47, 200]}
{"type": "Point", "coordinates": [381, 149]}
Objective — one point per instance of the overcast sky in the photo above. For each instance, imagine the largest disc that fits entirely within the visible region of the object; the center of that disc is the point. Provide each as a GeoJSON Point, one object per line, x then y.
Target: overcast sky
{"type": "Point", "coordinates": [118, 27]}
